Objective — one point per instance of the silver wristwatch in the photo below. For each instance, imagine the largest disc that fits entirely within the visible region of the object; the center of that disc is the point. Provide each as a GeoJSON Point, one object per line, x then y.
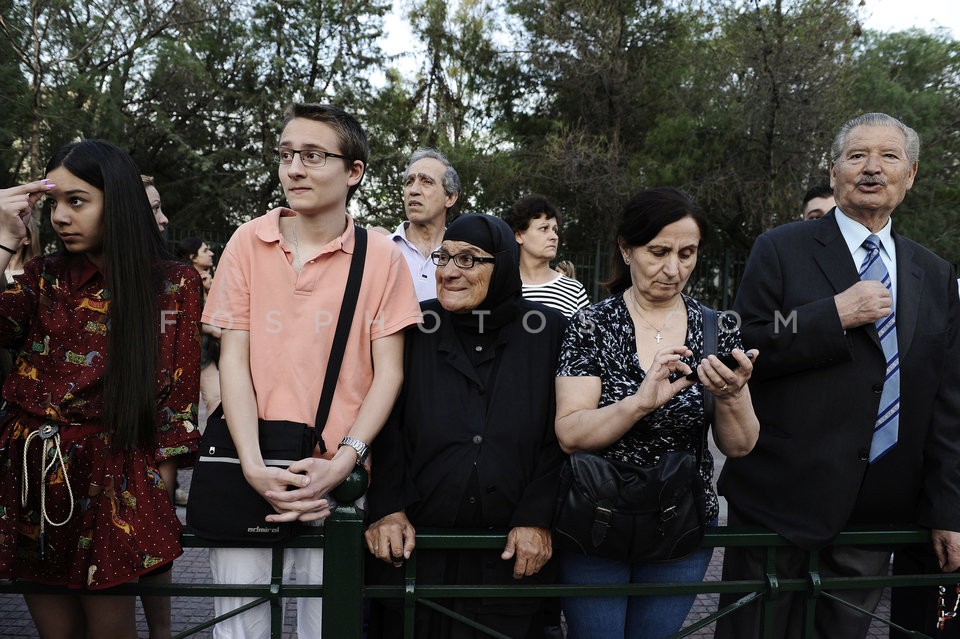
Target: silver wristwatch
{"type": "Point", "coordinates": [358, 446]}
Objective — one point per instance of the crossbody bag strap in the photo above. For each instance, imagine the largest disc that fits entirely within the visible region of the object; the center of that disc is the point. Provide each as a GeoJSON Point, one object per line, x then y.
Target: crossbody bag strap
{"type": "Point", "coordinates": [711, 330]}
{"type": "Point", "coordinates": [347, 309]}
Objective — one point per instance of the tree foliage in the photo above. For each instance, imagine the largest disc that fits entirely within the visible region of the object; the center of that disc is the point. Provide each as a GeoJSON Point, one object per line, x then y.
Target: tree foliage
{"type": "Point", "coordinates": [915, 76]}
{"type": "Point", "coordinates": [587, 101]}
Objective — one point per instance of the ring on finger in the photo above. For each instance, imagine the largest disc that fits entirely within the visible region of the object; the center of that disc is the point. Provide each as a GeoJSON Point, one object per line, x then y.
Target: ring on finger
{"type": "Point", "coordinates": [724, 388]}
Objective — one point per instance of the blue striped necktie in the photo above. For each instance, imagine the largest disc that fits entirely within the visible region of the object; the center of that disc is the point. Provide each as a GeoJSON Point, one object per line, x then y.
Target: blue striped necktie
{"type": "Point", "coordinates": [888, 418]}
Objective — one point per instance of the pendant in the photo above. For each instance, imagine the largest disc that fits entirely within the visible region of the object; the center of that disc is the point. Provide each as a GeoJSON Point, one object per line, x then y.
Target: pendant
{"type": "Point", "coordinates": [659, 337]}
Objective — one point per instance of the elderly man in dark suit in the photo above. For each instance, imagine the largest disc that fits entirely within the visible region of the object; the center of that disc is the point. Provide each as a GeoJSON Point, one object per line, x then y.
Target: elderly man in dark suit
{"type": "Point", "coordinates": [858, 391]}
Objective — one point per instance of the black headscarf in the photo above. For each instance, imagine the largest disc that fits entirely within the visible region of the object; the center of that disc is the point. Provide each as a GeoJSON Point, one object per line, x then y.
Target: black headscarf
{"type": "Point", "coordinates": [494, 236]}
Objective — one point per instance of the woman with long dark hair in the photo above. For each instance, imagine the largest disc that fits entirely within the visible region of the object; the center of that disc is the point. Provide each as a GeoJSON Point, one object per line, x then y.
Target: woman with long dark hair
{"type": "Point", "coordinates": [101, 402]}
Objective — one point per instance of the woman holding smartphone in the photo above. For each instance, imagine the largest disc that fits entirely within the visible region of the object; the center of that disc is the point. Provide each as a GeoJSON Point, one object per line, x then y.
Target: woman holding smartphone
{"type": "Point", "coordinates": [622, 392]}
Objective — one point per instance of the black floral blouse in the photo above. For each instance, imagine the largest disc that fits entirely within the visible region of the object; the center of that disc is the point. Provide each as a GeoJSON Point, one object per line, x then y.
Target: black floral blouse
{"type": "Point", "coordinates": [600, 342]}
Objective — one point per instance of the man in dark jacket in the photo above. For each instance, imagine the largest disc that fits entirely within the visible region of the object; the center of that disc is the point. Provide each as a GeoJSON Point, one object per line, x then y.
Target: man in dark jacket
{"type": "Point", "coordinates": [858, 391]}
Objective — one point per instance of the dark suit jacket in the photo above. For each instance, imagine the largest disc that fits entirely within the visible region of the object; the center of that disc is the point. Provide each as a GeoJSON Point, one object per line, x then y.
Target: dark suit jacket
{"type": "Point", "coordinates": [816, 389]}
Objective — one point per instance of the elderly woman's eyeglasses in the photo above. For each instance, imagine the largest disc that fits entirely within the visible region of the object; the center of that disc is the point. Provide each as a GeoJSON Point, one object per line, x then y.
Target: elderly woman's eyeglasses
{"type": "Point", "coordinates": [311, 158]}
{"type": "Point", "coordinates": [462, 260]}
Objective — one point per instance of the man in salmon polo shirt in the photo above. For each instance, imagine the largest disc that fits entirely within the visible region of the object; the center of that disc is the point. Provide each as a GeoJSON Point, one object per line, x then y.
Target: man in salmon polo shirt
{"type": "Point", "coordinates": [277, 296]}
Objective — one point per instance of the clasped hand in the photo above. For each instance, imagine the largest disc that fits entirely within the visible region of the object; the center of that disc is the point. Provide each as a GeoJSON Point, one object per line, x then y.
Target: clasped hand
{"type": "Point", "coordinates": [298, 492]}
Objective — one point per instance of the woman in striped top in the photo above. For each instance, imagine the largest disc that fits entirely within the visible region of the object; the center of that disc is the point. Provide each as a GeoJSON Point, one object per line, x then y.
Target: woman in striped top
{"type": "Point", "coordinates": [535, 222]}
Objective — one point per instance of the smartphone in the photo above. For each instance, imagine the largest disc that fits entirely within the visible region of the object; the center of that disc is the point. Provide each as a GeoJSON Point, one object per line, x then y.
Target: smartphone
{"type": "Point", "coordinates": [728, 361]}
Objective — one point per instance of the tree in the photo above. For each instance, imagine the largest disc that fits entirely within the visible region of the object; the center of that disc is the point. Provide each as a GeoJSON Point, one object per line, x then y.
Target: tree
{"type": "Point", "coordinates": [602, 70]}
{"type": "Point", "coordinates": [587, 101]}
{"type": "Point", "coordinates": [215, 103]}
{"type": "Point", "coordinates": [77, 59]}
{"type": "Point", "coordinates": [915, 76]}
{"type": "Point", "coordinates": [753, 121]}
{"type": "Point", "coordinates": [452, 104]}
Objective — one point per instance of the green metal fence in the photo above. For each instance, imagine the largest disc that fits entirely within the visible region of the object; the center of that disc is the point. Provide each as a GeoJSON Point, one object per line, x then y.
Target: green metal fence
{"type": "Point", "coordinates": [344, 590]}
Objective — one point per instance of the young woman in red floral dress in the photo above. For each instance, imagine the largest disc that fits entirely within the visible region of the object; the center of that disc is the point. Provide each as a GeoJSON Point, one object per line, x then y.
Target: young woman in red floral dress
{"type": "Point", "coordinates": [101, 402]}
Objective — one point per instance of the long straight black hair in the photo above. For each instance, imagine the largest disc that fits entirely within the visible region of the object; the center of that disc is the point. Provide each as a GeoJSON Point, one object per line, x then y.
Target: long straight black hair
{"type": "Point", "coordinates": [132, 248]}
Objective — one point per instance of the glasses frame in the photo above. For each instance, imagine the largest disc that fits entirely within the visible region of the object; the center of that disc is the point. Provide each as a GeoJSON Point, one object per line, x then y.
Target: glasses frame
{"type": "Point", "coordinates": [463, 261]}
{"type": "Point", "coordinates": [324, 154]}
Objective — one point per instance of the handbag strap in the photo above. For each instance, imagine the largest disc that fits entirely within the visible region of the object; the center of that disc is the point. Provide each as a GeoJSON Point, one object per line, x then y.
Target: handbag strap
{"type": "Point", "coordinates": [347, 309]}
{"type": "Point", "coordinates": [711, 330]}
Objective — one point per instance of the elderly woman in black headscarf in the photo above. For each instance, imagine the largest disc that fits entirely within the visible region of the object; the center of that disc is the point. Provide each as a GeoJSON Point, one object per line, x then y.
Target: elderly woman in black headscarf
{"type": "Point", "coordinates": [471, 442]}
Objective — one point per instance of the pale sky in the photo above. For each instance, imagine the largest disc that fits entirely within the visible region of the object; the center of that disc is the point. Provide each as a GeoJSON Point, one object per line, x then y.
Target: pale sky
{"type": "Point", "coordinates": [897, 15]}
{"type": "Point", "coordinates": [879, 15]}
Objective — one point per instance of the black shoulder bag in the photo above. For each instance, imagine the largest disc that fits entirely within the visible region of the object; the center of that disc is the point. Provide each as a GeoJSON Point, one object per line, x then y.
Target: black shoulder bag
{"type": "Point", "coordinates": [622, 511]}
{"type": "Point", "coordinates": [222, 505]}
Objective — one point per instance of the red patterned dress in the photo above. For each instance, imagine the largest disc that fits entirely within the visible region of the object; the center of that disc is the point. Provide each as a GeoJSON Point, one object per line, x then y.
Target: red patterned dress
{"type": "Point", "coordinates": [99, 517]}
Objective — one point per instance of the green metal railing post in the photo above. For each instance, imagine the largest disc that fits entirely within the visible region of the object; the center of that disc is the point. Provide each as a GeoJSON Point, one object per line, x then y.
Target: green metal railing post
{"type": "Point", "coordinates": [773, 591]}
{"type": "Point", "coordinates": [814, 586]}
{"type": "Point", "coordinates": [276, 583]}
{"type": "Point", "coordinates": [409, 597]}
{"type": "Point", "coordinates": [343, 561]}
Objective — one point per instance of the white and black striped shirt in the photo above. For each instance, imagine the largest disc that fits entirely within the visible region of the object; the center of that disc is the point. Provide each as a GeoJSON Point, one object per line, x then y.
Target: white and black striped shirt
{"type": "Point", "coordinates": [565, 294]}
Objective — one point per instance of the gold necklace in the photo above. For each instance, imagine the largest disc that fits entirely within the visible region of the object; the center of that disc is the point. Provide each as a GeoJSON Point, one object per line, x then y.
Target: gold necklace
{"type": "Point", "coordinates": [636, 307]}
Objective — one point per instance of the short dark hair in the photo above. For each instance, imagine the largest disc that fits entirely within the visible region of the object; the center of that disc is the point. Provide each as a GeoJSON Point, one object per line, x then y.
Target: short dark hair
{"type": "Point", "coordinates": [820, 190]}
{"type": "Point", "coordinates": [353, 140]}
{"type": "Point", "coordinates": [642, 220]}
{"type": "Point", "coordinates": [529, 208]}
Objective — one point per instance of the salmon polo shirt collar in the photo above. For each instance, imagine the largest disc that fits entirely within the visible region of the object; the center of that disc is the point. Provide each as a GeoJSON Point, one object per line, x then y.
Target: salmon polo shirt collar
{"type": "Point", "coordinates": [269, 231]}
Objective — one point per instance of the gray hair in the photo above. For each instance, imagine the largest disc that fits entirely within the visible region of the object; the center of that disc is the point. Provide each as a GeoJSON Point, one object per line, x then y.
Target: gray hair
{"type": "Point", "coordinates": [451, 179]}
{"type": "Point", "coordinates": [911, 139]}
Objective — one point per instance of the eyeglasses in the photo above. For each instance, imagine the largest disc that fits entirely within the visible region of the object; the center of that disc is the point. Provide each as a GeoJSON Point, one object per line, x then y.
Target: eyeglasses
{"type": "Point", "coordinates": [945, 614]}
{"type": "Point", "coordinates": [462, 260]}
{"type": "Point", "coordinates": [311, 158]}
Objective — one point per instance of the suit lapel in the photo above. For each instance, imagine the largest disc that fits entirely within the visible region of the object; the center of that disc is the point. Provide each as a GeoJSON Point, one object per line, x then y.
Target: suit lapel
{"type": "Point", "coordinates": [833, 257]}
{"type": "Point", "coordinates": [909, 291]}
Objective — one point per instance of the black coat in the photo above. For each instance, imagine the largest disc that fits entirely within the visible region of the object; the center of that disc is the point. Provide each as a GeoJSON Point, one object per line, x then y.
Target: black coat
{"type": "Point", "coordinates": [816, 389]}
{"type": "Point", "coordinates": [447, 420]}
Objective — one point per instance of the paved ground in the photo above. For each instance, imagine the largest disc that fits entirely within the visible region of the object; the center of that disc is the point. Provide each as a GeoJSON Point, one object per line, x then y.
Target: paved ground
{"type": "Point", "coordinates": [192, 567]}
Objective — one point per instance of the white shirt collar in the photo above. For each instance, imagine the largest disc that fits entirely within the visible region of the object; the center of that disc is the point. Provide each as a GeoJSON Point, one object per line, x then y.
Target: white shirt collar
{"type": "Point", "coordinates": [854, 233]}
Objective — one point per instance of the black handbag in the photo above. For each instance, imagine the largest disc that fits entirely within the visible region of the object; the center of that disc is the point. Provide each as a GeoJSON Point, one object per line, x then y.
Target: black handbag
{"type": "Point", "coordinates": [618, 510]}
{"type": "Point", "coordinates": [622, 511]}
{"type": "Point", "coordinates": [222, 506]}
